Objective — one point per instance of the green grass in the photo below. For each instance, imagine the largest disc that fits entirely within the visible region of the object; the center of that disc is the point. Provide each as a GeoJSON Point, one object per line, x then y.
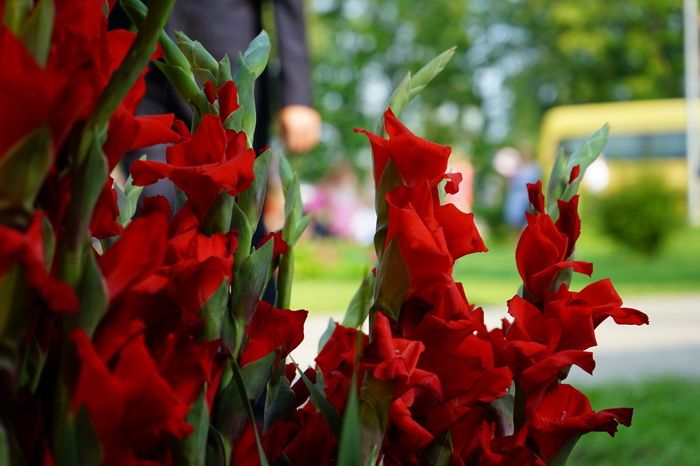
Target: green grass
{"type": "Point", "coordinates": [328, 272]}
{"type": "Point", "coordinates": [664, 429]}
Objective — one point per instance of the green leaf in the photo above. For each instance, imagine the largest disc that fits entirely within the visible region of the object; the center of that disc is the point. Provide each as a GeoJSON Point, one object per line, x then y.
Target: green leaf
{"type": "Point", "coordinates": [584, 156]}
{"type": "Point", "coordinates": [392, 282]}
{"type": "Point", "coordinates": [239, 223]}
{"type": "Point", "coordinates": [558, 180]}
{"type": "Point", "coordinates": [258, 53]}
{"type": "Point", "coordinates": [218, 218]}
{"type": "Point", "coordinates": [128, 199]}
{"type": "Point", "coordinates": [240, 382]}
{"type": "Point", "coordinates": [280, 401]}
{"type": "Point", "coordinates": [250, 282]}
{"type": "Point", "coordinates": [49, 238]}
{"type": "Point", "coordinates": [36, 31]}
{"type": "Point", "coordinates": [79, 444]}
{"type": "Point", "coordinates": [224, 71]}
{"type": "Point", "coordinates": [375, 399]}
{"type": "Point", "coordinates": [32, 367]}
{"type": "Point", "coordinates": [440, 451]}
{"type": "Point", "coordinates": [218, 449]}
{"type": "Point", "coordinates": [16, 12]}
{"type": "Point", "coordinates": [504, 408]}
{"type": "Point", "coordinates": [214, 312]}
{"type": "Point", "coordinates": [191, 451]}
{"type": "Point", "coordinates": [330, 328]}
{"type": "Point", "coordinates": [329, 413]}
{"type": "Point", "coordinates": [412, 85]}
{"type": "Point", "coordinates": [361, 302]}
{"type": "Point", "coordinates": [93, 295]}
{"type": "Point", "coordinates": [197, 55]}
{"type": "Point", "coordinates": [252, 199]}
{"type": "Point", "coordinates": [349, 449]}
{"type": "Point", "coordinates": [249, 67]}
{"type": "Point", "coordinates": [563, 455]}
{"type": "Point", "coordinates": [183, 81]}
{"type": "Point", "coordinates": [231, 409]}
{"type": "Point", "coordinates": [22, 172]}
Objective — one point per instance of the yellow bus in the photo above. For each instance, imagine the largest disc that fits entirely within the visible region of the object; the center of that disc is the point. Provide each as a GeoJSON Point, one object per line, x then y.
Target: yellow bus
{"type": "Point", "coordinates": [645, 136]}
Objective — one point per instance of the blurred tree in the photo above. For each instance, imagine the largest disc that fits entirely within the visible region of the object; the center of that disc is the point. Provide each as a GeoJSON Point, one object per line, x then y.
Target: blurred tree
{"type": "Point", "coordinates": [362, 49]}
{"type": "Point", "coordinates": [554, 52]}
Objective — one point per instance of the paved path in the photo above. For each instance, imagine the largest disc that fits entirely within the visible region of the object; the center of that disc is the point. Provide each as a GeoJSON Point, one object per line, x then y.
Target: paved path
{"type": "Point", "coordinates": [670, 345]}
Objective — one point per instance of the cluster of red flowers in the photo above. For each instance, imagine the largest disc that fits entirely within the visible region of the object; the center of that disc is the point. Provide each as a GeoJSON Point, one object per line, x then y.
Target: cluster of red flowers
{"type": "Point", "coordinates": [147, 340]}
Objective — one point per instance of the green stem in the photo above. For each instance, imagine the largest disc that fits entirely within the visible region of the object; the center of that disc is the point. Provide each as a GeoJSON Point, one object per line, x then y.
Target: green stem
{"type": "Point", "coordinates": [284, 279]}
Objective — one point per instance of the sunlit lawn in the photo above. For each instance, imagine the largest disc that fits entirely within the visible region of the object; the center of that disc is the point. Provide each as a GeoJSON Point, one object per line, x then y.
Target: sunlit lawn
{"type": "Point", "coordinates": [328, 272]}
{"type": "Point", "coordinates": [664, 428]}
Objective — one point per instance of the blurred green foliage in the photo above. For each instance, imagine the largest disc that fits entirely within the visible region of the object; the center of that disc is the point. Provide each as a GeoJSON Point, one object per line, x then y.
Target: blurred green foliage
{"type": "Point", "coordinates": [641, 215]}
{"type": "Point", "coordinates": [515, 59]}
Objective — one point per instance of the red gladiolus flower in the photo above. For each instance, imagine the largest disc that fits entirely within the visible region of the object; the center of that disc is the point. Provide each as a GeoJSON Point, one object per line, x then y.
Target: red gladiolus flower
{"type": "Point", "coordinates": [104, 218]}
{"type": "Point", "coordinates": [132, 407]}
{"type": "Point", "coordinates": [211, 161]}
{"type": "Point", "coordinates": [541, 253]}
{"type": "Point", "coordinates": [564, 412]}
{"type": "Point", "coordinates": [273, 329]}
{"type": "Point", "coordinates": [226, 95]}
{"type": "Point", "coordinates": [341, 351]}
{"type": "Point", "coordinates": [279, 246]}
{"type": "Point", "coordinates": [416, 159]}
{"type": "Point", "coordinates": [26, 249]}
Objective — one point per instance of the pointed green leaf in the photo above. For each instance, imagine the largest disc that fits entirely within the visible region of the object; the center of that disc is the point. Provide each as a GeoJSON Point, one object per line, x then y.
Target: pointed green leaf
{"type": "Point", "coordinates": [240, 381]}
{"type": "Point", "coordinates": [440, 451]}
{"type": "Point", "coordinates": [16, 12]}
{"type": "Point", "coordinates": [32, 367]}
{"type": "Point", "coordinates": [196, 54]}
{"type": "Point", "coordinates": [224, 71]}
{"type": "Point", "coordinates": [214, 310]}
{"type": "Point", "coordinates": [330, 414]}
{"type": "Point", "coordinates": [218, 218]}
{"type": "Point", "coordinates": [22, 172]}
{"type": "Point", "coordinates": [250, 282]}
{"type": "Point", "coordinates": [257, 53]}
{"type": "Point", "coordinates": [330, 328]}
{"type": "Point", "coordinates": [280, 401]}
{"type": "Point", "coordinates": [375, 399]}
{"type": "Point", "coordinates": [231, 410]}
{"type": "Point", "coordinates": [49, 238]}
{"type": "Point", "coordinates": [36, 31]}
{"type": "Point", "coordinates": [191, 451]}
{"type": "Point", "coordinates": [218, 449]}
{"type": "Point", "coordinates": [584, 156]}
{"type": "Point", "coordinates": [361, 302]}
{"type": "Point", "coordinates": [412, 85]}
{"type": "Point", "coordinates": [557, 182]}
{"type": "Point", "coordinates": [392, 282]}
{"type": "Point", "coordinates": [252, 199]}
{"type": "Point", "coordinates": [349, 449]}
{"type": "Point", "coordinates": [240, 224]}
{"type": "Point", "coordinates": [183, 81]}
{"type": "Point", "coordinates": [93, 295]}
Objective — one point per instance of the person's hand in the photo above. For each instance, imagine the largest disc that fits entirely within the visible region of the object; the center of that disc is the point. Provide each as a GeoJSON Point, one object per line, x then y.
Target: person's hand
{"type": "Point", "coordinates": [300, 127]}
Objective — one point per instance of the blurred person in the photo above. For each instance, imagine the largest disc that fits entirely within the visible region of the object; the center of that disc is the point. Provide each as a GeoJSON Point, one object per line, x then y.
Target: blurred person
{"type": "Point", "coordinates": [519, 169]}
{"type": "Point", "coordinates": [226, 27]}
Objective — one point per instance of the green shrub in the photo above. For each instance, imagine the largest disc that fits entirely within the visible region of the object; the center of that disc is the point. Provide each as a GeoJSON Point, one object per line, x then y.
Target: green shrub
{"type": "Point", "coordinates": [642, 214]}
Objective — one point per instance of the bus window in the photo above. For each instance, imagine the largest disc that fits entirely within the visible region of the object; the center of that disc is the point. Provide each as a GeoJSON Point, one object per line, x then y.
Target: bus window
{"type": "Point", "coordinates": [631, 146]}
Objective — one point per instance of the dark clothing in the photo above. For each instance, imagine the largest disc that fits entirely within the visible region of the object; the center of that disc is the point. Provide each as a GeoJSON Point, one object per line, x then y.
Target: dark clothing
{"type": "Point", "coordinates": [226, 27]}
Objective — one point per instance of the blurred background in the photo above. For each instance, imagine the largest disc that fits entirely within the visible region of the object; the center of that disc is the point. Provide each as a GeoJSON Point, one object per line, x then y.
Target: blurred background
{"type": "Point", "coordinates": [529, 77]}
